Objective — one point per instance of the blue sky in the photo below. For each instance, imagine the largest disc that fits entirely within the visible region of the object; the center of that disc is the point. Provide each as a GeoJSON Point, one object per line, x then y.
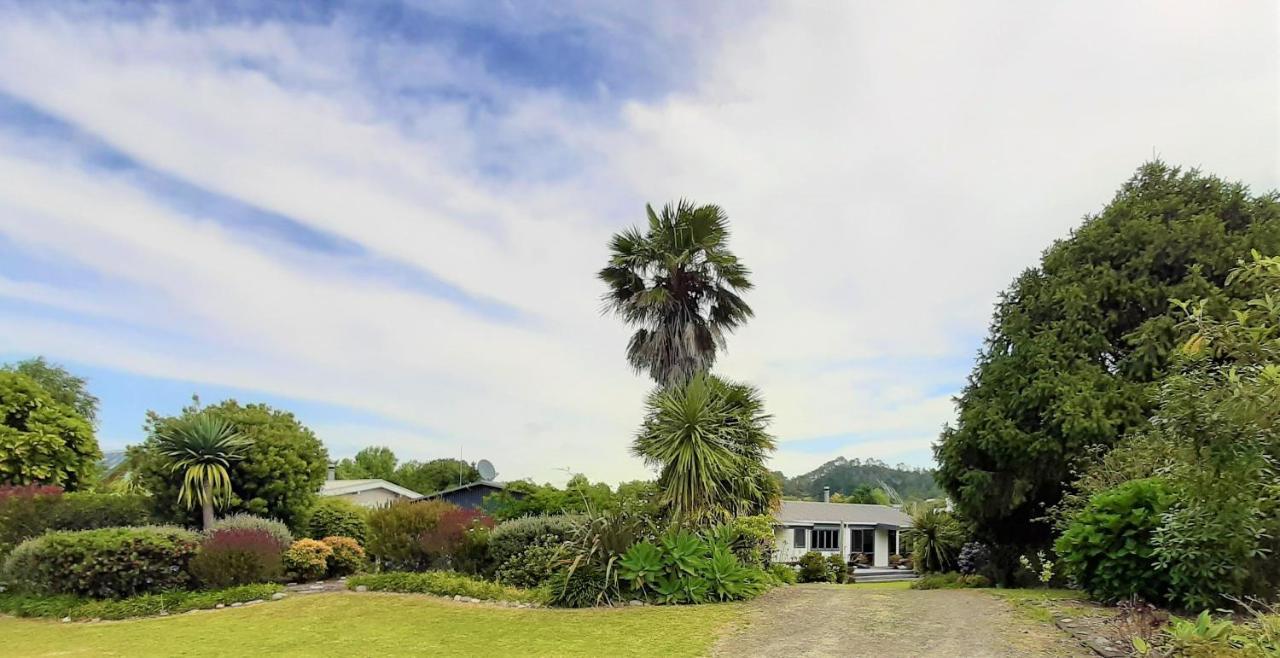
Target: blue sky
{"type": "Point", "coordinates": [386, 217]}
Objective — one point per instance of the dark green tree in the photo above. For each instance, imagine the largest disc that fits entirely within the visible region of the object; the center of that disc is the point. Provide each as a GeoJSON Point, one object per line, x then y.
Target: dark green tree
{"type": "Point", "coordinates": [374, 462]}
{"type": "Point", "coordinates": [434, 475]}
{"type": "Point", "coordinates": [282, 468]}
{"type": "Point", "coordinates": [1076, 343]}
{"type": "Point", "coordinates": [42, 441]}
{"type": "Point", "coordinates": [63, 386]}
{"type": "Point", "coordinates": [678, 283]}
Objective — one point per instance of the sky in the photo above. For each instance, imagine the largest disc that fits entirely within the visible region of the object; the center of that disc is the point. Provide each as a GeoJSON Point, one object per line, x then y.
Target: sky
{"type": "Point", "coordinates": [387, 217]}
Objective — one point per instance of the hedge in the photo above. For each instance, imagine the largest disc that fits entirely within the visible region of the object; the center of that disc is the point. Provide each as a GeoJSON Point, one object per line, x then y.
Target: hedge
{"type": "Point", "coordinates": [27, 512]}
{"type": "Point", "coordinates": [103, 563]}
{"type": "Point", "coordinates": [445, 583]}
{"type": "Point", "coordinates": [145, 605]}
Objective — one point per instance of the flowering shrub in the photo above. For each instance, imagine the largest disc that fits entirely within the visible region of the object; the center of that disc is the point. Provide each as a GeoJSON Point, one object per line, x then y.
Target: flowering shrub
{"type": "Point", "coordinates": [103, 563]}
{"type": "Point", "coordinates": [308, 558]}
{"type": "Point", "coordinates": [238, 556]}
{"type": "Point", "coordinates": [346, 558]}
{"type": "Point", "coordinates": [272, 527]}
{"type": "Point", "coordinates": [974, 558]}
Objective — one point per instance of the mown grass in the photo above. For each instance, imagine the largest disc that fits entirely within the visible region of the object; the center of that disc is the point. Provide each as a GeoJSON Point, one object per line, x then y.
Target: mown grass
{"type": "Point", "coordinates": [383, 625]}
{"type": "Point", "coordinates": [1039, 604]}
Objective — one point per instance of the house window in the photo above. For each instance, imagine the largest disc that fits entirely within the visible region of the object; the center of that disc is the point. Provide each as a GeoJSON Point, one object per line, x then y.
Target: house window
{"type": "Point", "coordinates": [862, 541]}
{"type": "Point", "coordinates": [826, 539]}
{"type": "Point", "coordinates": [798, 541]}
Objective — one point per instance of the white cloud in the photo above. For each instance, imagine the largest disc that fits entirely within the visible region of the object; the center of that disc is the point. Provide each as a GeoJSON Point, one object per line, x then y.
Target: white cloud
{"type": "Point", "coordinates": [888, 168]}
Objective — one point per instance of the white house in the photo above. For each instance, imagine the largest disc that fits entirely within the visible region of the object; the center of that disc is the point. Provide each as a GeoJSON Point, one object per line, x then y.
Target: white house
{"type": "Point", "coordinates": [366, 493]}
{"type": "Point", "coordinates": [844, 528]}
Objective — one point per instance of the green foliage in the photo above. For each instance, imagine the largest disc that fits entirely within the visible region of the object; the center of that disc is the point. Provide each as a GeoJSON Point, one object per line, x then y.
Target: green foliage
{"type": "Point", "coordinates": [678, 283]}
{"type": "Point", "coordinates": [103, 563]}
{"type": "Point", "coordinates": [396, 531]}
{"type": "Point", "coordinates": [144, 605]}
{"type": "Point", "coordinates": [238, 556]}
{"type": "Point", "coordinates": [814, 568]}
{"type": "Point", "coordinates": [434, 475]}
{"type": "Point", "coordinates": [345, 557]}
{"type": "Point", "coordinates": [332, 516]}
{"type": "Point", "coordinates": [591, 555]}
{"type": "Point", "coordinates": [522, 498]}
{"type": "Point", "coordinates": [201, 447]}
{"type": "Point", "coordinates": [308, 559]}
{"type": "Point", "coordinates": [950, 580]}
{"type": "Point", "coordinates": [783, 573]}
{"type": "Point", "coordinates": [60, 384]}
{"type": "Point", "coordinates": [279, 531]}
{"type": "Point", "coordinates": [374, 462]}
{"type": "Point", "coordinates": [42, 441]}
{"type": "Point", "coordinates": [865, 482]}
{"type": "Point", "coordinates": [444, 583]}
{"type": "Point", "coordinates": [29, 512]}
{"type": "Point", "coordinates": [707, 438]}
{"type": "Point", "coordinates": [750, 537]}
{"type": "Point", "coordinates": [1107, 549]}
{"type": "Point", "coordinates": [282, 469]}
{"type": "Point", "coordinates": [936, 538]}
{"type": "Point", "coordinates": [533, 566]}
{"type": "Point", "coordinates": [838, 568]}
{"type": "Point", "coordinates": [1076, 343]}
{"type": "Point", "coordinates": [509, 538]}
{"type": "Point", "coordinates": [685, 568]}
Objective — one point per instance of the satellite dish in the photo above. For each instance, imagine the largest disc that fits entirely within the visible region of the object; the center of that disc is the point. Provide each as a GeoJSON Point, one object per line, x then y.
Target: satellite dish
{"type": "Point", "coordinates": [486, 470]}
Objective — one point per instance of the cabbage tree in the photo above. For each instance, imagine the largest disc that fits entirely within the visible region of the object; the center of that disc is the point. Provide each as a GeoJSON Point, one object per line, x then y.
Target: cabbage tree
{"type": "Point", "coordinates": [202, 447]}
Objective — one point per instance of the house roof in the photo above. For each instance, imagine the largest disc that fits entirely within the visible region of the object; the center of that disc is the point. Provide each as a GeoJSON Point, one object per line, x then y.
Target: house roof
{"type": "Point", "coordinates": [469, 485]}
{"type": "Point", "coordinates": [346, 487]}
{"type": "Point", "coordinates": [802, 512]}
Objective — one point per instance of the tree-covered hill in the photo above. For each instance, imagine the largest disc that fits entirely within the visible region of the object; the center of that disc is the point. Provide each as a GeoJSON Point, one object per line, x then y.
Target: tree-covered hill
{"type": "Point", "coordinates": [845, 476]}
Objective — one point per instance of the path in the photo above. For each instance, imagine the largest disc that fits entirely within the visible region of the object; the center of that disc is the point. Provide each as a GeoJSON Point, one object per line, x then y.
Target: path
{"type": "Point", "coordinates": [852, 620]}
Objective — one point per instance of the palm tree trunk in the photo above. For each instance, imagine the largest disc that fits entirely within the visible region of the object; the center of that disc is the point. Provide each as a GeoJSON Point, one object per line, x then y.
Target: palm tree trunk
{"type": "Point", "coordinates": [208, 513]}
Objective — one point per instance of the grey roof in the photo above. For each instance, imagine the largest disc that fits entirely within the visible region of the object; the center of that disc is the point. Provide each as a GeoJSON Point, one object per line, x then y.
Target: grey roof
{"type": "Point", "coordinates": [478, 483]}
{"type": "Point", "coordinates": [346, 487]}
{"type": "Point", "coordinates": [800, 512]}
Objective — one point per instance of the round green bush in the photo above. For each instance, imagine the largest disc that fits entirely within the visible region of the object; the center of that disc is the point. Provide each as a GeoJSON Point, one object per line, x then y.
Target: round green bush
{"type": "Point", "coordinates": [511, 537]}
{"type": "Point", "coordinates": [335, 517]}
{"type": "Point", "coordinates": [783, 573]}
{"type": "Point", "coordinates": [814, 568]}
{"type": "Point", "coordinates": [103, 563]}
{"type": "Point", "coordinates": [27, 512]}
{"type": "Point", "coordinates": [532, 567]}
{"type": "Point", "coordinates": [308, 559]}
{"type": "Point", "coordinates": [347, 556]}
{"type": "Point", "coordinates": [1107, 548]}
{"type": "Point", "coordinates": [277, 530]}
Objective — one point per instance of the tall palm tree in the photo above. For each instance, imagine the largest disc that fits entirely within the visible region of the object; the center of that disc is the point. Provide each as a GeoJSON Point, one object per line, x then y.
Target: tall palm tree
{"type": "Point", "coordinates": [707, 438]}
{"type": "Point", "coordinates": [678, 284]}
{"type": "Point", "coordinates": [203, 447]}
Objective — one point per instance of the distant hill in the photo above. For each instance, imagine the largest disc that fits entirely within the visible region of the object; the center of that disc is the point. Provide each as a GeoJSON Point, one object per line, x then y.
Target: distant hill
{"type": "Point", "coordinates": [845, 475]}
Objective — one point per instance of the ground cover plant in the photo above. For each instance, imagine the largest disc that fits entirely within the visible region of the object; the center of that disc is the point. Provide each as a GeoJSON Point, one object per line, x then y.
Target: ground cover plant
{"type": "Point", "coordinates": [444, 583]}
{"type": "Point", "coordinates": [143, 605]}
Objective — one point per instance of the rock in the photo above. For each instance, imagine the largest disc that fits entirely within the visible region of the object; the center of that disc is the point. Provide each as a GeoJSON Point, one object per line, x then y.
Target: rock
{"type": "Point", "coordinates": [1066, 620]}
{"type": "Point", "coordinates": [255, 602]}
{"type": "Point", "coordinates": [97, 619]}
{"type": "Point", "coordinates": [473, 600]}
{"type": "Point", "coordinates": [457, 597]}
{"type": "Point", "coordinates": [362, 588]}
{"type": "Point", "coordinates": [66, 619]}
{"type": "Point", "coordinates": [291, 584]}
{"type": "Point", "coordinates": [164, 613]}
{"type": "Point", "coordinates": [635, 602]}
{"type": "Point", "coordinates": [316, 587]}
{"type": "Point", "coordinates": [237, 604]}
{"type": "Point", "coordinates": [219, 606]}
{"type": "Point", "coordinates": [278, 595]}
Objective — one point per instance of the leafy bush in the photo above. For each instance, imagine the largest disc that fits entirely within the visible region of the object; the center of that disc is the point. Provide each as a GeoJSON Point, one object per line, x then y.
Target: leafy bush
{"type": "Point", "coordinates": [30, 511]}
{"type": "Point", "coordinates": [839, 569]}
{"type": "Point", "coordinates": [814, 568]}
{"type": "Point", "coordinates": [534, 566]}
{"type": "Point", "coordinates": [950, 580]}
{"type": "Point", "coordinates": [974, 558]}
{"type": "Point", "coordinates": [335, 517]}
{"type": "Point", "coordinates": [308, 558]}
{"type": "Point", "coordinates": [783, 573]}
{"type": "Point", "coordinates": [276, 529]}
{"type": "Point", "coordinates": [444, 583]}
{"type": "Point", "coordinates": [396, 532]}
{"type": "Point", "coordinates": [42, 441]}
{"type": "Point", "coordinates": [511, 537]}
{"type": "Point", "coordinates": [591, 554]}
{"type": "Point", "coordinates": [238, 556]}
{"type": "Point", "coordinates": [346, 557]}
{"type": "Point", "coordinates": [1107, 548]}
{"type": "Point", "coordinates": [143, 605]}
{"type": "Point", "coordinates": [753, 541]}
{"type": "Point", "coordinates": [103, 563]}
{"type": "Point", "coordinates": [459, 540]}
{"type": "Point", "coordinates": [936, 537]}
{"type": "Point", "coordinates": [685, 568]}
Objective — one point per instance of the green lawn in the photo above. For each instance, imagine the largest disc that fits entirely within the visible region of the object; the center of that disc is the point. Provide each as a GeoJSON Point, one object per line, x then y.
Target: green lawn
{"type": "Point", "coordinates": [384, 625]}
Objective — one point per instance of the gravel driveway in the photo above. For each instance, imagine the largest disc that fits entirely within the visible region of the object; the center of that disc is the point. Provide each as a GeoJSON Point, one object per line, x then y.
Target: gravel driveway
{"type": "Point", "coordinates": [852, 620]}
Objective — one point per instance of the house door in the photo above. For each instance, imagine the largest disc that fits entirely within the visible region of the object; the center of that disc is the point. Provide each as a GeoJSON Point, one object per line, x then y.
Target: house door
{"type": "Point", "coordinates": [862, 541]}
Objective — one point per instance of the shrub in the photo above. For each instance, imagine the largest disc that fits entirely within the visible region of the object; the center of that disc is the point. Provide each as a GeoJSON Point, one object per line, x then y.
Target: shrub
{"type": "Point", "coordinates": [753, 541]}
{"type": "Point", "coordinates": [459, 540]}
{"type": "Point", "coordinates": [1107, 547]}
{"type": "Point", "coordinates": [238, 556]}
{"type": "Point", "coordinates": [276, 529]}
{"type": "Point", "coordinates": [838, 567]}
{"type": "Point", "coordinates": [308, 559]}
{"type": "Point", "coordinates": [346, 557]}
{"type": "Point", "coordinates": [936, 537]}
{"type": "Point", "coordinates": [396, 532]}
{"type": "Point", "coordinates": [592, 554]}
{"type": "Point", "coordinates": [30, 511]}
{"type": "Point", "coordinates": [950, 580]}
{"type": "Point", "coordinates": [143, 605]}
{"type": "Point", "coordinates": [103, 563]}
{"type": "Point", "coordinates": [974, 558]}
{"type": "Point", "coordinates": [783, 573]}
{"type": "Point", "coordinates": [534, 566]}
{"type": "Point", "coordinates": [335, 517]}
{"type": "Point", "coordinates": [512, 537]}
{"type": "Point", "coordinates": [814, 568]}
{"type": "Point", "coordinates": [42, 441]}
{"type": "Point", "coordinates": [444, 583]}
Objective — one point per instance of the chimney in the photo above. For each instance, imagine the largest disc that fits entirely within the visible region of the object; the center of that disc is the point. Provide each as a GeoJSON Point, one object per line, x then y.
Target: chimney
{"type": "Point", "coordinates": [826, 494]}
{"type": "Point", "coordinates": [333, 472]}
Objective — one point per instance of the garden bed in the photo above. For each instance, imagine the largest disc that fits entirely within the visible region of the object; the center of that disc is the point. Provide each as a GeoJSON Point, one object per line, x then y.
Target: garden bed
{"type": "Point", "coordinates": [74, 608]}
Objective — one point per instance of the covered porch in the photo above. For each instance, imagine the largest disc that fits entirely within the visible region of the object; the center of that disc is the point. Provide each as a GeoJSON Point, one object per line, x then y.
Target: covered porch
{"type": "Point", "coordinates": [874, 542]}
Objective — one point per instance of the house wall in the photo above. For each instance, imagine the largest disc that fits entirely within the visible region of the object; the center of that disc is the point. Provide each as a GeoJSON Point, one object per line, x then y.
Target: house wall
{"type": "Point", "coordinates": [882, 548]}
{"type": "Point", "coordinates": [371, 497]}
{"type": "Point", "coordinates": [785, 550]}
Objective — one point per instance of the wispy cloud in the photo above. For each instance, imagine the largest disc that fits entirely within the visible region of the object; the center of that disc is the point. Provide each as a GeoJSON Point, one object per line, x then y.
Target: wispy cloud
{"type": "Point", "coordinates": [400, 210]}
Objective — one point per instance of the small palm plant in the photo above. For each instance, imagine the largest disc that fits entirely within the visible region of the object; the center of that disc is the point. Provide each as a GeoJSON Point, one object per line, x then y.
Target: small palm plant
{"type": "Point", "coordinates": [936, 537]}
{"type": "Point", "coordinates": [203, 447]}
